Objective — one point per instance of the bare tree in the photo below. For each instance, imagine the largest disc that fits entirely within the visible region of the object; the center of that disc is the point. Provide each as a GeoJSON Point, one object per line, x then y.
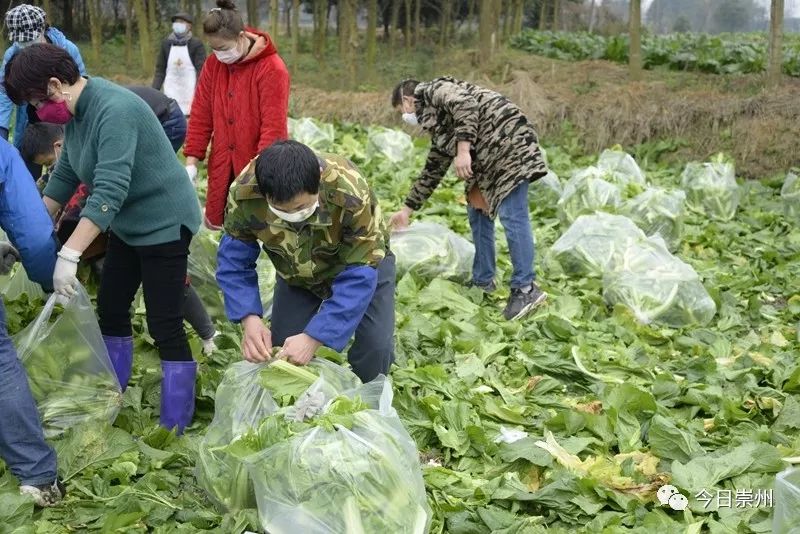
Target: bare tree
{"type": "Point", "coordinates": [295, 27]}
{"type": "Point", "coordinates": [320, 27]}
{"type": "Point", "coordinates": [128, 33]}
{"type": "Point", "coordinates": [95, 27]}
{"type": "Point", "coordinates": [417, 22]}
{"type": "Point", "coordinates": [394, 22]}
{"type": "Point", "coordinates": [252, 13]}
{"type": "Point", "coordinates": [144, 36]}
{"type": "Point", "coordinates": [447, 14]}
{"type": "Point", "coordinates": [372, 31]}
{"type": "Point", "coordinates": [775, 68]}
{"type": "Point", "coordinates": [407, 25]}
{"type": "Point", "coordinates": [487, 30]}
{"type": "Point", "coordinates": [592, 16]}
{"type": "Point", "coordinates": [274, 18]}
{"type": "Point", "coordinates": [635, 30]}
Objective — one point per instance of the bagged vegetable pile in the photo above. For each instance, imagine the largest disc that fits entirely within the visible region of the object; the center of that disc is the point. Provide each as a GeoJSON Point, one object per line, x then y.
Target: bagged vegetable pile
{"type": "Point", "coordinates": [17, 284]}
{"type": "Point", "coordinates": [786, 519]}
{"type": "Point", "coordinates": [546, 190]}
{"type": "Point", "coordinates": [656, 286]}
{"type": "Point", "coordinates": [620, 168]}
{"type": "Point", "coordinates": [394, 145]}
{"type": "Point", "coordinates": [659, 212]}
{"type": "Point", "coordinates": [202, 269]}
{"type": "Point", "coordinates": [588, 246]}
{"type": "Point", "coordinates": [332, 455]}
{"type": "Point", "coordinates": [790, 194]}
{"type": "Point", "coordinates": [430, 250]}
{"type": "Point", "coordinates": [69, 371]}
{"type": "Point", "coordinates": [317, 135]}
{"type": "Point", "coordinates": [586, 193]}
{"type": "Point", "coordinates": [711, 188]}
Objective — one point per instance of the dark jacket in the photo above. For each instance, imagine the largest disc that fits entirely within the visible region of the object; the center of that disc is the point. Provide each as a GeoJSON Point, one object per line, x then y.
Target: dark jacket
{"type": "Point", "coordinates": [196, 51]}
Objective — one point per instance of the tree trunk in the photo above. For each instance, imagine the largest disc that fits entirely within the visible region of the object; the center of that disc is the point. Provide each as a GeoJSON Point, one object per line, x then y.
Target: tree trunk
{"type": "Point", "coordinates": [344, 26]}
{"type": "Point", "coordinates": [471, 15]}
{"type": "Point", "coordinates": [394, 23]}
{"type": "Point", "coordinates": [295, 27]}
{"type": "Point", "coordinates": [592, 16]}
{"type": "Point", "coordinates": [635, 30]}
{"type": "Point", "coordinates": [287, 17]}
{"type": "Point", "coordinates": [542, 15]}
{"type": "Point", "coordinates": [95, 28]}
{"type": "Point", "coordinates": [417, 22]}
{"type": "Point", "coordinates": [197, 10]}
{"type": "Point", "coordinates": [151, 15]}
{"type": "Point", "coordinates": [372, 31]}
{"type": "Point", "coordinates": [556, 15]}
{"type": "Point", "coordinates": [775, 69]}
{"type": "Point", "coordinates": [519, 16]}
{"type": "Point", "coordinates": [144, 36]}
{"type": "Point", "coordinates": [252, 13]}
{"type": "Point", "coordinates": [67, 22]}
{"type": "Point", "coordinates": [47, 6]}
{"type": "Point", "coordinates": [487, 30]}
{"type": "Point", "coordinates": [407, 25]}
{"type": "Point", "coordinates": [274, 15]}
{"type": "Point", "coordinates": [447, 13]}
{"type": "Point", "coordinates": [128, 33]}
{"type": "Point", "coordinates": [320, 27]}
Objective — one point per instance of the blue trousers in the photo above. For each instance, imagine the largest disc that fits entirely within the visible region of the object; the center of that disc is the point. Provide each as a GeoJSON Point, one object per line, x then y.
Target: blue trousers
{"type": "Point", "coordinates": [22, 444]}
{"type": "Point", "coordinates": [514, 214]}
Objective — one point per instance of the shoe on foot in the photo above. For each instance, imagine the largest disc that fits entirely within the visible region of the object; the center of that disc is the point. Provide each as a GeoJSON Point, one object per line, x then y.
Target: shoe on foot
{"type": "Point", "coordinates": [486, 288]}
{"type": "Point", "coordinates": [522, 301]}
{"type": "Point", "coordinates": [209, 347]}
{"type": "Point", "coordinates": [45, 495]}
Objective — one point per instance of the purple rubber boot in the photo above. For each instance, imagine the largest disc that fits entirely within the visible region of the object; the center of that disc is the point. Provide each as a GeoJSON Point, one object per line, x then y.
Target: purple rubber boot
{"type": "Point", "coordinates": [120, 352]}
{"type": "Point", "coordinates": [177, 394]}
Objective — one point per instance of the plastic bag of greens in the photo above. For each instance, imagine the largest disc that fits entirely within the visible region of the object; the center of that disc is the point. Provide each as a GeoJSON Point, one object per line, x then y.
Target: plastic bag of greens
{"type": "Point", "coordinates": [588, 246]}
{"type": "Point", "coordinates": [790, 194]}
{"type": "Point", "coordinates": [659, 212]}
{"type": "Point", "coordinates": [69, 371]}
{"type": "Point", "coordinates": [394, 145]}
{"type": "Point", "coordinates": [350, 468]}
{"type": "Point", "coordinates": [431, 250]}
{"type": "Point", "coordinates": [247, 394]}
{"type": "Point", "coordinates": [546, 190]}
{"type": "Point", "coordinates": [584, 194]}
{"type": "Point", "coordinates": [18, 284]}
{"type": "Point", "coordinates": [316, 135]}
{"type": "Point", "coordinates": [657, 286]}
{"type": "Point", "coordinates": [621, 167]}
{"type": "Point", "coordinates": [711, 188]}
{"type": "Point", "coordinates": [786, 518]}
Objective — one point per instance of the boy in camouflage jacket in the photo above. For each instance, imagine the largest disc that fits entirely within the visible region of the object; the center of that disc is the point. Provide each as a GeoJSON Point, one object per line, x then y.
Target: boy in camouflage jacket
{"type": "Point", "coordinates": [320, 224]}
{"type": "Point", "coordinates": [496, 153]}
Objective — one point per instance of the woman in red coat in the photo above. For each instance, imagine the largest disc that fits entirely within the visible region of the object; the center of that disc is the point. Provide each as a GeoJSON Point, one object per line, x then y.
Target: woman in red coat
{"type": "Point", "coordinates": [242, 100]}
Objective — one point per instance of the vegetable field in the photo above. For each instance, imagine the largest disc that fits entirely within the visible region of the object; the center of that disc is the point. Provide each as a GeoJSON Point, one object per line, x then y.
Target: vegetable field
{"type": "Point", "coordinates": [740, 53]}
{"type": "Point", "coordinates": [568, 421]}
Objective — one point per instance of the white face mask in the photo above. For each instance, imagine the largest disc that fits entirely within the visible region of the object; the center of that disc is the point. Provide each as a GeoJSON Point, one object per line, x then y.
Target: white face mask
{"type": "Point", "coordinates": [229, 56]}
{"type": "Point", "coordinates": [180, 28]}
{"type": "Point", "coordinates": [296, 216]}
{"type": "Point", "coordinates": [410, 118]}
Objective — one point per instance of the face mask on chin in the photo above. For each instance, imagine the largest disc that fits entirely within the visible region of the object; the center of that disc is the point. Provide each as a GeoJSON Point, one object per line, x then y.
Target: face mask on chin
{"type": "Point", "coordinates": [295, 216]}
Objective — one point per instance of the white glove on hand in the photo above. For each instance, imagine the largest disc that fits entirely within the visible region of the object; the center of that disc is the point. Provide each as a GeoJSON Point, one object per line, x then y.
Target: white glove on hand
{"type": "Point", "coordinates": [191, 170]}
{"type": "Point", "coordinates": [65, 280]}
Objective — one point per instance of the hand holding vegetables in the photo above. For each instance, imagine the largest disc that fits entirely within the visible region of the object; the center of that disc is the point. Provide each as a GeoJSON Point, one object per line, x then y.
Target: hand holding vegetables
{"type": "Point", "coordinates": [64, 275]}
{"type": "Point", "coordinates": [256, 340]}
{"type": "Point", "coordinates": [401, 219]}
{"type": "Point", "coordinates": [300, 348]}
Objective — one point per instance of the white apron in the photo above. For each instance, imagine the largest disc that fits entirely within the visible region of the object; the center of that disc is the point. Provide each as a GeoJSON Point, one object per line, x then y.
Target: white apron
{"type": "Point", "coordinates": [181, 77]}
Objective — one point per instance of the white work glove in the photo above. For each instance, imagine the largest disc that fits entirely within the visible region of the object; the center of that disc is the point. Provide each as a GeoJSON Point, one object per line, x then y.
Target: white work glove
{"type": "Point", "coordinates": [191, 170]}
{"type": "Point", "coordinates": [8, 257]}
{"type": "Point", "coordinates": [65, 280]}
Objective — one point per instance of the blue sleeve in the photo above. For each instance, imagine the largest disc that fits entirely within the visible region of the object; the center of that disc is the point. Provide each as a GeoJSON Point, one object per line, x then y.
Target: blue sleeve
{"type": "Point", "coordinates": [238, 279]}
{"type": "Point", "coordinates": [339, 316]}
{"type": "Point", "coordinates": [24, 218]}
{"type": "Point", "coordinates": [73, 51]}
{"type": "Point", "coordinates": [6, 105]}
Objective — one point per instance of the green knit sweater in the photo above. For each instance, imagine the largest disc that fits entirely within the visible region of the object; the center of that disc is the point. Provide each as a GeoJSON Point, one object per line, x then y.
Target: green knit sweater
{"type": "Point", "coordinates": [116, 146]}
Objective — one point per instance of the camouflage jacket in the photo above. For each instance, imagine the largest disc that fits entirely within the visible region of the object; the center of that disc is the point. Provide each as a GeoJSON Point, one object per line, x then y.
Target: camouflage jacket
{"type": "Point", "coordinates": [347, 228]}
{"type": "Point", "coordinates": [505, 148]}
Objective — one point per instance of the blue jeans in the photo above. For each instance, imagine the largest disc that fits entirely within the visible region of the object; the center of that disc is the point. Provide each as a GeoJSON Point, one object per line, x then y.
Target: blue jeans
{"type": "Point", "coordinates": [22, 444]}
{"type": "Point", "coordinates": [175, 128]}
{"type": "Point", "coordinates": [515, 216]}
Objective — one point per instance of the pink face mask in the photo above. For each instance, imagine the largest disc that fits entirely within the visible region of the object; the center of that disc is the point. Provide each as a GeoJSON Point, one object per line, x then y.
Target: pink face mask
{"type": "Point", "coordinates": [55, 112]}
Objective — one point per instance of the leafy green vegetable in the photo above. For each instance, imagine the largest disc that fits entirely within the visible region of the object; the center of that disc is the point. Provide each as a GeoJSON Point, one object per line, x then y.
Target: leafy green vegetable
{"type": "Point", "coordinates": [711, 188]}
{"type": "Point", "coordinates": [430, 250]}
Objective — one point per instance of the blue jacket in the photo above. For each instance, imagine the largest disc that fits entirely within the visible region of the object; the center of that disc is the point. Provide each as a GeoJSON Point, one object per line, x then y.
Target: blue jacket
{"type": "Point", "coordinates": [24, 217]}
{"type": "Point", "coordinates": [7, 107]}
{"type": "Point", "coordinates": [338, 316]}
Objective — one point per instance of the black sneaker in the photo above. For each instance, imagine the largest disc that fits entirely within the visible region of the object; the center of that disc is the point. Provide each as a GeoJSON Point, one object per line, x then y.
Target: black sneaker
{"type": "Point", "coordinates": [522, 302]}
{"type": "Point", "coordinates": [45, 495]}
{"type": "Point", "coordinates": [486, 288]}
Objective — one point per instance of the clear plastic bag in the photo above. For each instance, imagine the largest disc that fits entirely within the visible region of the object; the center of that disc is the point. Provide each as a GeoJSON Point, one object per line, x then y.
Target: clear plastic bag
{"type": "Point", "coordinates": [659, 212]}
{"type": "Point", "coordinates": [657, 286]}
{"type": "Point", "coordinates": [317, 135]}
{"type": "Point", "coordinates": [241, 403]}
{"type": "Point", "coordinates": [586, 193]}
{"type": "Point", "coordinates": [358, 478]}
{"type": "Point", "coordinates": [786, 517]}
{"type": "Point", "coordinates": [790, 194]}
{"type": "Point", "coordinates": [18, 284]}
{"type": "Point", "coordinates": [711, 188]}
{"type": "Point", "coordinates": [620, 168]}
{"type": "Point", "coordinates": [546, 190]}
{"type": "Point", "coordinates": [431, 250]}
{"type": "Point", "coordinates": [69, 371]}
{"type": "Point", "coordinates": [588, 246]}
{"type": "Point", "coordinates": [394, 145]}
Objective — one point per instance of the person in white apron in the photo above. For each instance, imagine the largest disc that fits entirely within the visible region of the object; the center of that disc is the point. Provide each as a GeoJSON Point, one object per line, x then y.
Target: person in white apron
{"type": "Point", "coordinates": [179, 62]}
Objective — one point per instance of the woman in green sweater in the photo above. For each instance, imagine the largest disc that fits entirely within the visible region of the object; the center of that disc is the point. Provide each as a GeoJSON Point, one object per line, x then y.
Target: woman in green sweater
{"type": "Point", "coordinates": [140, 194]}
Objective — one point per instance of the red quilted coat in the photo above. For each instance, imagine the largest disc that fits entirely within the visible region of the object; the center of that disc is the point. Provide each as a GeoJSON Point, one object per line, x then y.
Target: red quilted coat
{"type": "Point", "coordinates": [241, 109]}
